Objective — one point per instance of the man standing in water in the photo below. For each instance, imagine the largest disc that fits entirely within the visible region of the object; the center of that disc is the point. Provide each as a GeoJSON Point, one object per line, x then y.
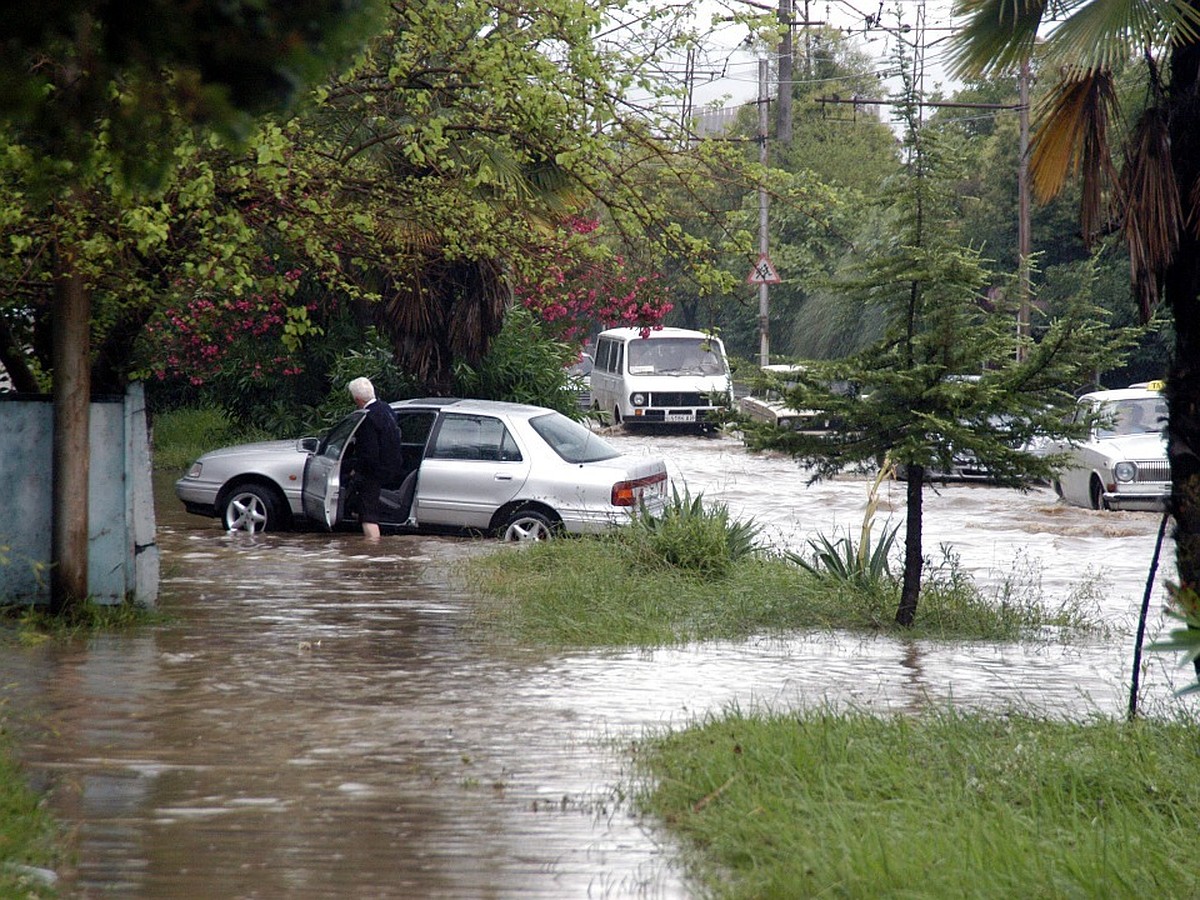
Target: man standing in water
{"type": "Point", "coordinates": [377, 452]}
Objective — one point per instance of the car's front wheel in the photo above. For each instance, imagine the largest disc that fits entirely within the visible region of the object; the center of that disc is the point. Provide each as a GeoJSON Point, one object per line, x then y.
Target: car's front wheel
{"type": "Point", "coordinates": [1097, 494]}
{"type": "Point", "coordinates": [252, 508]}
{"type": "Point", "coordinates": [527, 525]}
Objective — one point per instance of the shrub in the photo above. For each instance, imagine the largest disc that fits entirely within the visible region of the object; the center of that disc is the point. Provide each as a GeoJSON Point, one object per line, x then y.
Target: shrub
{"type": "Point", "coordinates": [866, 565]}
{"type": "Point", "coordinates": [691, 536]}
{"type": "Point", "coordinates": [181, 435]}
{"type": "Point", "coordinates": [523, 365]}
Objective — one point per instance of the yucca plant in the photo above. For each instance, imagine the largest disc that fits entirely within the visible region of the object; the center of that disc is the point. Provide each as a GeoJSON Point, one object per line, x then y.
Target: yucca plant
{"type": "Point", "coordinates": [868, 563]}
{"type": "Point", "coordinates": [840, 559]}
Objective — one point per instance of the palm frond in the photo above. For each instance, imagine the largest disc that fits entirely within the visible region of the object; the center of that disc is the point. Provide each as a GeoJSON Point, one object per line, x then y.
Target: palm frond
{"type": "Point", "coordinates": [997, 37]}
{"type": "Point", "coordinates": [1071, 136]}
{"type": "Point", "coordinates": [1153, 214]}
{"type": "Point", "coordinates": [1102, 34]}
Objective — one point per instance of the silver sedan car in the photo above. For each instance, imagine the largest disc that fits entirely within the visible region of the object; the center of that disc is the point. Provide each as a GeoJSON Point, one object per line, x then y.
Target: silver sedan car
{"type": "Point", "coordinates": [519, 472]}
{"type": "Point", "coordinates": [1123, 464]}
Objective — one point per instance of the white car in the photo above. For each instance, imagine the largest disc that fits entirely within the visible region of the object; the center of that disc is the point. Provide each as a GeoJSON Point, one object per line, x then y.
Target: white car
{"type": "Point", "coordinates": [1123, 464]}
{"type": "Point", "coordinates": [770, 407]}
{"type": "Point", "coordinates": [516, 471]}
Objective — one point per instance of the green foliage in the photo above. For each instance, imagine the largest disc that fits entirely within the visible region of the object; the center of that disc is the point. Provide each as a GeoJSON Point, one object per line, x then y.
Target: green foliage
{"type": "Point", "coordinates": [691, 535]}
{"type": "Point", "coordinates": [66, 70]}
{"type": "Point", "coordinates": [948, 374]}
{"type": "Point", "coordinates": [523, 365]}
{"type": "Point", "coordinates": [614, 590]}
{"type": "Point", "coordinates": [29, 836]}
{"type": "Point", "coordinates": [181, 435]}
{"type": "Point", "coordinates": [817, 803]}
{"type": "Point", "coordinates": [1184, 638]}
{"type": "Point", "coordinates": [372, 358]}
{"type": "Point", "coordinates": [867, 566]}
{"type": "Point", "coordinates": [35, 623]}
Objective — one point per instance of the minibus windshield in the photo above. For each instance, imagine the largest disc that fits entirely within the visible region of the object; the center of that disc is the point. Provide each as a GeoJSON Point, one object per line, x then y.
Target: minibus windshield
{"type": "Point", "coordinates": [675, 356]}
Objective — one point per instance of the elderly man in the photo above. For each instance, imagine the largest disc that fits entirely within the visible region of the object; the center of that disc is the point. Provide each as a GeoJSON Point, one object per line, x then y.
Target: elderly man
{"type": "Point", "coordinates": [377, 453]}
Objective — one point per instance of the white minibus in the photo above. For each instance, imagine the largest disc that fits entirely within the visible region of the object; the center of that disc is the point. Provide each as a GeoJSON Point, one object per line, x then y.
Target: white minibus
{"type": "Point", "coordinates": [672, 376]}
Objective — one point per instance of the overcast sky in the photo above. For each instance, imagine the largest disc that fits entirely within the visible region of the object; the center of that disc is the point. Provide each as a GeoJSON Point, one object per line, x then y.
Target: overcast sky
{"type": "Point", "coordinates": [731, 70]}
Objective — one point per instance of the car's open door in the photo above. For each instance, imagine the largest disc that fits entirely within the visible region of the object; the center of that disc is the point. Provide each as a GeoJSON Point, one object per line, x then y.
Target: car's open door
{"type": "Point", "coordinates": [322, 495]}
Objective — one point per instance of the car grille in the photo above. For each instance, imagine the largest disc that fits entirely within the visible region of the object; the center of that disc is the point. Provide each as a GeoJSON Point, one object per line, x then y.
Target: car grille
{"type": "Point", "coordinates": [1154, 470]}
{"type": "Point", "coordinates": [679, 398]}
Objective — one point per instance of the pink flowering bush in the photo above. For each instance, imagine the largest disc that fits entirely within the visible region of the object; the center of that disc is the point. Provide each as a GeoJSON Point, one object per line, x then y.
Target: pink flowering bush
{"type": "Point", "coordinates": [582, 290]}
{"type": "Point", "coordinates": [243, 353]}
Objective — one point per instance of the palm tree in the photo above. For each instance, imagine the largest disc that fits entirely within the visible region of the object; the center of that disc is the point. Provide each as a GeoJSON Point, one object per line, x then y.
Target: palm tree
{"type": "Point", "coordinates": [1152, 197]}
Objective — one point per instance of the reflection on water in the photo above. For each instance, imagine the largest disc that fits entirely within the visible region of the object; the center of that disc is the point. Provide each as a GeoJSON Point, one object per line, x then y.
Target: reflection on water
{"type": "Point", "coordinates": [320, 719]}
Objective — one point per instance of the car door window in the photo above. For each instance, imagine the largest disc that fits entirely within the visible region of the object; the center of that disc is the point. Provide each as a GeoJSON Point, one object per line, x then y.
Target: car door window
{"type": "Point", "coordinates": [415, 426]}
{"type": "Point", "coordinates": [463, 436]}
{"type": "Point", "coordinates": [335, 441]}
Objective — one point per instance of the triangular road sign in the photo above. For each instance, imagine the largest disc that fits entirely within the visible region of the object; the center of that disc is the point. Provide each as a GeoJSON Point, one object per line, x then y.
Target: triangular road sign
{"type": "Point", "coordinates": [763, 272]}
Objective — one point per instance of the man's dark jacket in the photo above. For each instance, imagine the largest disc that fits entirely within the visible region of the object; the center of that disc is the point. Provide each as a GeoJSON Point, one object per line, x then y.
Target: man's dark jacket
{"type": "Point", "coordinates": [378, 440]}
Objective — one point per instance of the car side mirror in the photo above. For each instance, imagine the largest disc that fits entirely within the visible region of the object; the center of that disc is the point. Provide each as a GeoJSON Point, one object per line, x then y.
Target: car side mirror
{"type": "Point", "coordinates": [308, 444]}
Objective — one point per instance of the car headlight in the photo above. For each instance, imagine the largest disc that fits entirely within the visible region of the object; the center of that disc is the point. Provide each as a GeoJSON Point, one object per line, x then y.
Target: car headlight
{"type": "Point", "coordinates": [637, 399]}
{"type": "Point", "coordinates": [1125, 471]}
{"type": "Point", "coordinates": [194, 471]}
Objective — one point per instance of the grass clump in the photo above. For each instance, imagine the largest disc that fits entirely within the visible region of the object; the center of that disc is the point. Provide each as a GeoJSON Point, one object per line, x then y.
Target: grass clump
{"type": "Point", "coordinates": [692, 536]}
{"type": "Point", "coordinates": [694, 573]}
{"type": "Point", "coordinates": [28, 834]}
{"type": "Point", "coordinates": [945, 805]}
{"type": "Point", "coordinates": [33, 623]}
{"type": "Point", "coordinates": [181, 435]}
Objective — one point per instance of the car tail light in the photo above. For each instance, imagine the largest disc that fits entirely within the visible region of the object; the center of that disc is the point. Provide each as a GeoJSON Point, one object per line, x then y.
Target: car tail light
{"type": "Point", "coordinates": [628, 493]}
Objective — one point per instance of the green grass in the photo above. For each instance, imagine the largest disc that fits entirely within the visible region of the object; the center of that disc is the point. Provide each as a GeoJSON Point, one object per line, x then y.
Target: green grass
{"type": "Point", "coordinates": [945, 805]}
{"type": "Point", "coordinates": [181, 435]}
{"type": "Point", "coordinates": [605, 591]}
{"type": "Point", "coordinates": [30, 624]}
{"type": "Point", "coordinates": [28, 834]}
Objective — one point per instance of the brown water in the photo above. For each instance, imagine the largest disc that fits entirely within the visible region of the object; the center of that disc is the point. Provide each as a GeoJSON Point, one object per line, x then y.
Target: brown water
{"type": "Point", "coordinates": [321, 719]}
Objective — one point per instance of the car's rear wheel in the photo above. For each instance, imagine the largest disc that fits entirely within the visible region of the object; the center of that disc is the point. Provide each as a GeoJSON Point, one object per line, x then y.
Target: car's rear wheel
{"type": "Point", "coordinates": [1096, 491]}
{"type": "Point", "coordinates": [252, 508]}
{"type": "Point", "coordinates": [528, 525]}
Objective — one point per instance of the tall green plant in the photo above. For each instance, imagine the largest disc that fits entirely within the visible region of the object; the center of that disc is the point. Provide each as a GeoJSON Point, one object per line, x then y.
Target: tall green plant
{"type": "Point", "coordinates": [865, 564]}
{"type": "Point", "coordinates": [950, 374]}
{"type": "Point", "coordinates": [523, 365]}
{"type": "Point", "coordinates": [692, 535]}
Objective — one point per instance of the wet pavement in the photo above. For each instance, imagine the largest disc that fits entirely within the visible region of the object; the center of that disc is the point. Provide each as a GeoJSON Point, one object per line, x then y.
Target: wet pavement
{"type": "Point", "coordinates": [320, 717]}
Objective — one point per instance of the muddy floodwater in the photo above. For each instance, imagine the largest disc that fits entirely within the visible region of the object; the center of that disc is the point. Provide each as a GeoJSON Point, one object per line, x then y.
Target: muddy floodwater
{"type": "Point", "coordinates": [319, 717]}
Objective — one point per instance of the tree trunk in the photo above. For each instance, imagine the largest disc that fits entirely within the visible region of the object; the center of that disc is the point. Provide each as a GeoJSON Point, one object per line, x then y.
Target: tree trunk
{"type": "Point", "coordinates": [913, 557]}
{"type": "Point", "coordinates": [1181, 286]}
{"type": "Point", "coordinates": [71, 451]}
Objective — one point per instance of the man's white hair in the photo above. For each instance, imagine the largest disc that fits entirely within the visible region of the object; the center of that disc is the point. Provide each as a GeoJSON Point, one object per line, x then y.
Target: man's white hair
{"type": "Point", "coordinates": [361, 389]}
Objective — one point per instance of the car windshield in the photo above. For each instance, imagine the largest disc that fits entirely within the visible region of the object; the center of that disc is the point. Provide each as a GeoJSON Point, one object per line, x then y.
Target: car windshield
{"type": "Point", "coordinates": [572, 441]}
{"type": "Point", "coordinates": [675, 356]}
{"type": "Point", "coordinates": [1139, 415]}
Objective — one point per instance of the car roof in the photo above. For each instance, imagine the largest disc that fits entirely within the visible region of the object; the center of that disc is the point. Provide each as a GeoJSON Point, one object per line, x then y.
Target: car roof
{"type": "Point", "coordinates": [1121, 394]}
{"type": "Point", "coordinates": [469, 405]}
{"type": "Point", "coordinates": [627, 333]}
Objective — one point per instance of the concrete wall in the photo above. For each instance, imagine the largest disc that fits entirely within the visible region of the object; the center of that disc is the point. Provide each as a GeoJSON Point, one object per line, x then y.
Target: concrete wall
{"type": "Point", "coordinates": [122, 553]}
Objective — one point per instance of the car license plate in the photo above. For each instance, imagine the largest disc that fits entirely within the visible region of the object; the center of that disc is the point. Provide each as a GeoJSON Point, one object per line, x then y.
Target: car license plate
{"type": "Point", "coordinates": [680, 417]}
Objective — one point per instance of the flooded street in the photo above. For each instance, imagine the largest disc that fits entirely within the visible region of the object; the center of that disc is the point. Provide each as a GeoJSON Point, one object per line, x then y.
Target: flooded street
{"type": "Point", "coordinates": [320, 717]}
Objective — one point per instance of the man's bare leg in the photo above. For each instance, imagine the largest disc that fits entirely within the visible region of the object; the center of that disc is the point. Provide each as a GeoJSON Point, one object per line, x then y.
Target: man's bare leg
{"type": "Point", "coordinates": [370, 531]}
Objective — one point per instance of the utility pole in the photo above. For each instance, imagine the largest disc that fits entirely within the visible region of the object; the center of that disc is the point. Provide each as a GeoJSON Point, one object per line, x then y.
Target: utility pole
{"type": "Point", "coordinates": [764, 337]}
{"type": "Point", "coordinates": [783, 121]}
